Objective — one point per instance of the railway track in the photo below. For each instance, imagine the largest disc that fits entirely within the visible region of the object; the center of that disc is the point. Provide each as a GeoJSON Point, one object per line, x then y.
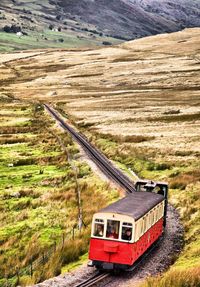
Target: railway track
{"type": "Point", "coordinates": [101, 161]}
{"type": "Point", "coordinates": [91, 281]}
{"type": "Point", "coordinates": [96, 278]}
{"type": "Point", "coordinates": [116, 175]}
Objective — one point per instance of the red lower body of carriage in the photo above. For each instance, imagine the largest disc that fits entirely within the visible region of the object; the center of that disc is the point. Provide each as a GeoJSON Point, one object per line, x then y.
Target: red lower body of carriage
{"type": "Point", "coordinates": [108, 254]}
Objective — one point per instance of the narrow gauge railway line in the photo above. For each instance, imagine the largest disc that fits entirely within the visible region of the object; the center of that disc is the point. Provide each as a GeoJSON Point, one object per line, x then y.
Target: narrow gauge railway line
{"type": "Point", "coordinates": [91, 281]}
{"type": "Point", "coordinates": [101, 161]}
{"type": "Point", "coordinates": [94, 279]}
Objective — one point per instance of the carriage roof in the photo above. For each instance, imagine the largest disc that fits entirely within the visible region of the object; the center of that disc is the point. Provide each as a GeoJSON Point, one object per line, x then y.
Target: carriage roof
{"type": "Point", "coordinates": [135, 204]}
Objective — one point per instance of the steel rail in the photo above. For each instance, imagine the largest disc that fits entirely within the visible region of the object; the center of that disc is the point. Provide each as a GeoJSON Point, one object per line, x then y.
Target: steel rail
{"type": "Point", "coordinates": [99, 277]}
{"type": "Point", "coordinates": [93, 280]}
{"type": "Point", "coordinates": [103, 163]}
{"type": "Point", "coordinates": [106, 166]}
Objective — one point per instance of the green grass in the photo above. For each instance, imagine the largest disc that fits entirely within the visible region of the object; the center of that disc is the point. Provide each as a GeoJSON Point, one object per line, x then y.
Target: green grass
{"type": "Point", "coordinates": [183, 177]}
{"type": "Point", "coordinates": [39, 36]}
{"type": "Point", "coordinates": [10, 42]}
{"type": "Point", "coordinates": [38, 200]}
{"type": "Point", "coordinates": [75, 265]}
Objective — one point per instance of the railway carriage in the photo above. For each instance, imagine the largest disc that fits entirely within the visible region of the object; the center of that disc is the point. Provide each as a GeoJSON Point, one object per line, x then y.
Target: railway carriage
{"type": "Point", "coordinates": [124, 230]}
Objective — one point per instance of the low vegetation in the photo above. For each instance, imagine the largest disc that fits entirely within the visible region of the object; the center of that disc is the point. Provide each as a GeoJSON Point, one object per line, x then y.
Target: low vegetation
{"type": "Point", "coordinates": [31, 25]}
{"type": "Point", "coordinates": [183, 177]}
{"type": "Point", "coordinates": [38, 194]}
{"type": "Point", "coordinates": [137, 102]}
{"type": "Point", "coordinates": [179, 278]}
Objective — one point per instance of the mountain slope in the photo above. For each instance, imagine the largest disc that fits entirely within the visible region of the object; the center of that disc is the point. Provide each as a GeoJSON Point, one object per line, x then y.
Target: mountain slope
{"type": "Point", "coordinates": [139, 102]}
{"type": "Point", "coordinates": [69, 23]}
{"type": "Point", "coordinates": [44, 25]}
{"type": "Point", "coordinates": [135, 18]}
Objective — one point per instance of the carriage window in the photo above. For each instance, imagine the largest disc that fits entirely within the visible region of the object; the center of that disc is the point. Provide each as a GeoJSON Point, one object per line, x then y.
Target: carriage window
{"type": "Point", "coordinates": [127, 224]}
{"type": "Point", "coordinates": [144, 225]}
{"type": "Point", "coordinates": [148, 221]}
{"type": "Point", "coordinates": [160, 211]}
{"type": "Point", "coordinates": [140, 228]}
{"type": "Point", "coordinates": [156, 213]}
{"type": "Point", "coordinates": [127, 231]}
{"type": "Point", "coordinates": [152, 217]}
{"type": "Point", "coordinates": [112, 230]}
{"type": "Point", "coordinates": [99, 228]}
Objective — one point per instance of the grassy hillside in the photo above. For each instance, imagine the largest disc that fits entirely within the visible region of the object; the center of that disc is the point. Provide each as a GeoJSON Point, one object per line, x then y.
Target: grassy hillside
{"type": "Point", "coordinates": [85, 23]}
{"type": "Point", "coordinates": [44, 25]}
{"type": "Point", "coordinates": [131, 19]}
{"type": "Point", "coordinates": [140, 103]}
{"type": "Point", "coordinates": [38, 192]}
{"type": "Point", "coordinates": [180, 168]}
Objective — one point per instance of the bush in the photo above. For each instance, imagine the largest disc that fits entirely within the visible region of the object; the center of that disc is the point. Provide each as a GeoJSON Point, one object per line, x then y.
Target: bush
{"type": "Point", "coordinates": [27, 11]}
{"type": "Point", "coordinates": [51, 27]}
{"type": "Point", "coordinates": [24, 161]}
{"type": "Point", "coordinates": [26, 280]}
{"type": "Point", "coordinates": [12, 29]}
{"type": "Point", "coordinates": [157, 166]}
{"type": "Point", "coordinates": [58, 17]}
{"type": "Point", "coordinates": [72, 250]}
{"type": "Point", "coordinates": [7, 29]}
{"type": "Point", "coordinates": [182, 180]}
{"type": "Point", "coordinates": [106, 43]}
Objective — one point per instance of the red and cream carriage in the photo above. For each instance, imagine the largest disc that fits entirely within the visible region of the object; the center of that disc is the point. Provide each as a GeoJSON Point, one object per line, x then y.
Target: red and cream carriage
{"type": "Point", "coordinates": [124, 230]}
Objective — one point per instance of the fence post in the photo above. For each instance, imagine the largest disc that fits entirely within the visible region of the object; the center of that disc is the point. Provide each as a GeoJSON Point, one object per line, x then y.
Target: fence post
{"type": "Point", "coordinates": [43, 257]}
{"type": "Point", "coordinates": [31, 267]}
{"type": "Point", "coordinates": [54, 246]}
{"type": "Point", "coordinates": [6, 276]}
{"type": "Point", "coordinates": [78, 194]}
{"type": "Point", "coordinates": [63, 240]}
{"type": "Point", "coordinates": [17, 273]}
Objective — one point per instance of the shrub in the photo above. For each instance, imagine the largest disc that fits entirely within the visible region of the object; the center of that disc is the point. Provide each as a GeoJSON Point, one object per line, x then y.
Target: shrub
{"type": "Point", "coordinates": [106, 43]}
{"type": "Point", "coordinates": [157, 166]}
{"type": "Point", "coordinates": [58, 17]}
{"type": "Point", "coordinates": [24, 161]}
{"type": "Point", "coordinates": [72, 250]}
{"type": "Point", "coordinates": [7, 29]}
{"type": "Point", "coordinates": [27, 11]}
{"type": "Point", "coordinates": [26, 280]}
{"type": "Point", "coordinates": [15, 29]}
{"type": "Point", "coordinates": [51, 27]}
{"type": "Point", "coordinates": [182, 180]}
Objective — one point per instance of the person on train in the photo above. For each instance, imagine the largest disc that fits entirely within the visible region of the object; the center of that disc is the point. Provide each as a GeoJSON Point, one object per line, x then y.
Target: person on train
{"type": "Point", "coordinates": [99, 230]}
{"type": "Point", "coordinates": [112, 234]}
{"type": "Point", "coordinates": [127, 235]}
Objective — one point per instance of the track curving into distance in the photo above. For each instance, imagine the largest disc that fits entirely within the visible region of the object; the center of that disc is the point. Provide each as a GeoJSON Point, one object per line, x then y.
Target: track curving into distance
{"type": "Point", "coordinates": [171, 243]}
{"type": "Point", "coordinates": [101, 161]}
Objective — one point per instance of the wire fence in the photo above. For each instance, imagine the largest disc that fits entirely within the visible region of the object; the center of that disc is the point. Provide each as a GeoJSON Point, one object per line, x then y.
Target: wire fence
{"type": "Point", "coordinates": [35, 265]}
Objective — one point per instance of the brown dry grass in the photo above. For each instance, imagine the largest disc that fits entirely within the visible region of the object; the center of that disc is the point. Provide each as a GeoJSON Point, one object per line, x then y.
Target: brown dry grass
{"type": "Point", "coordinates": [124, 99]}
{"type": "Point", "coordinates": [176, 278]}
